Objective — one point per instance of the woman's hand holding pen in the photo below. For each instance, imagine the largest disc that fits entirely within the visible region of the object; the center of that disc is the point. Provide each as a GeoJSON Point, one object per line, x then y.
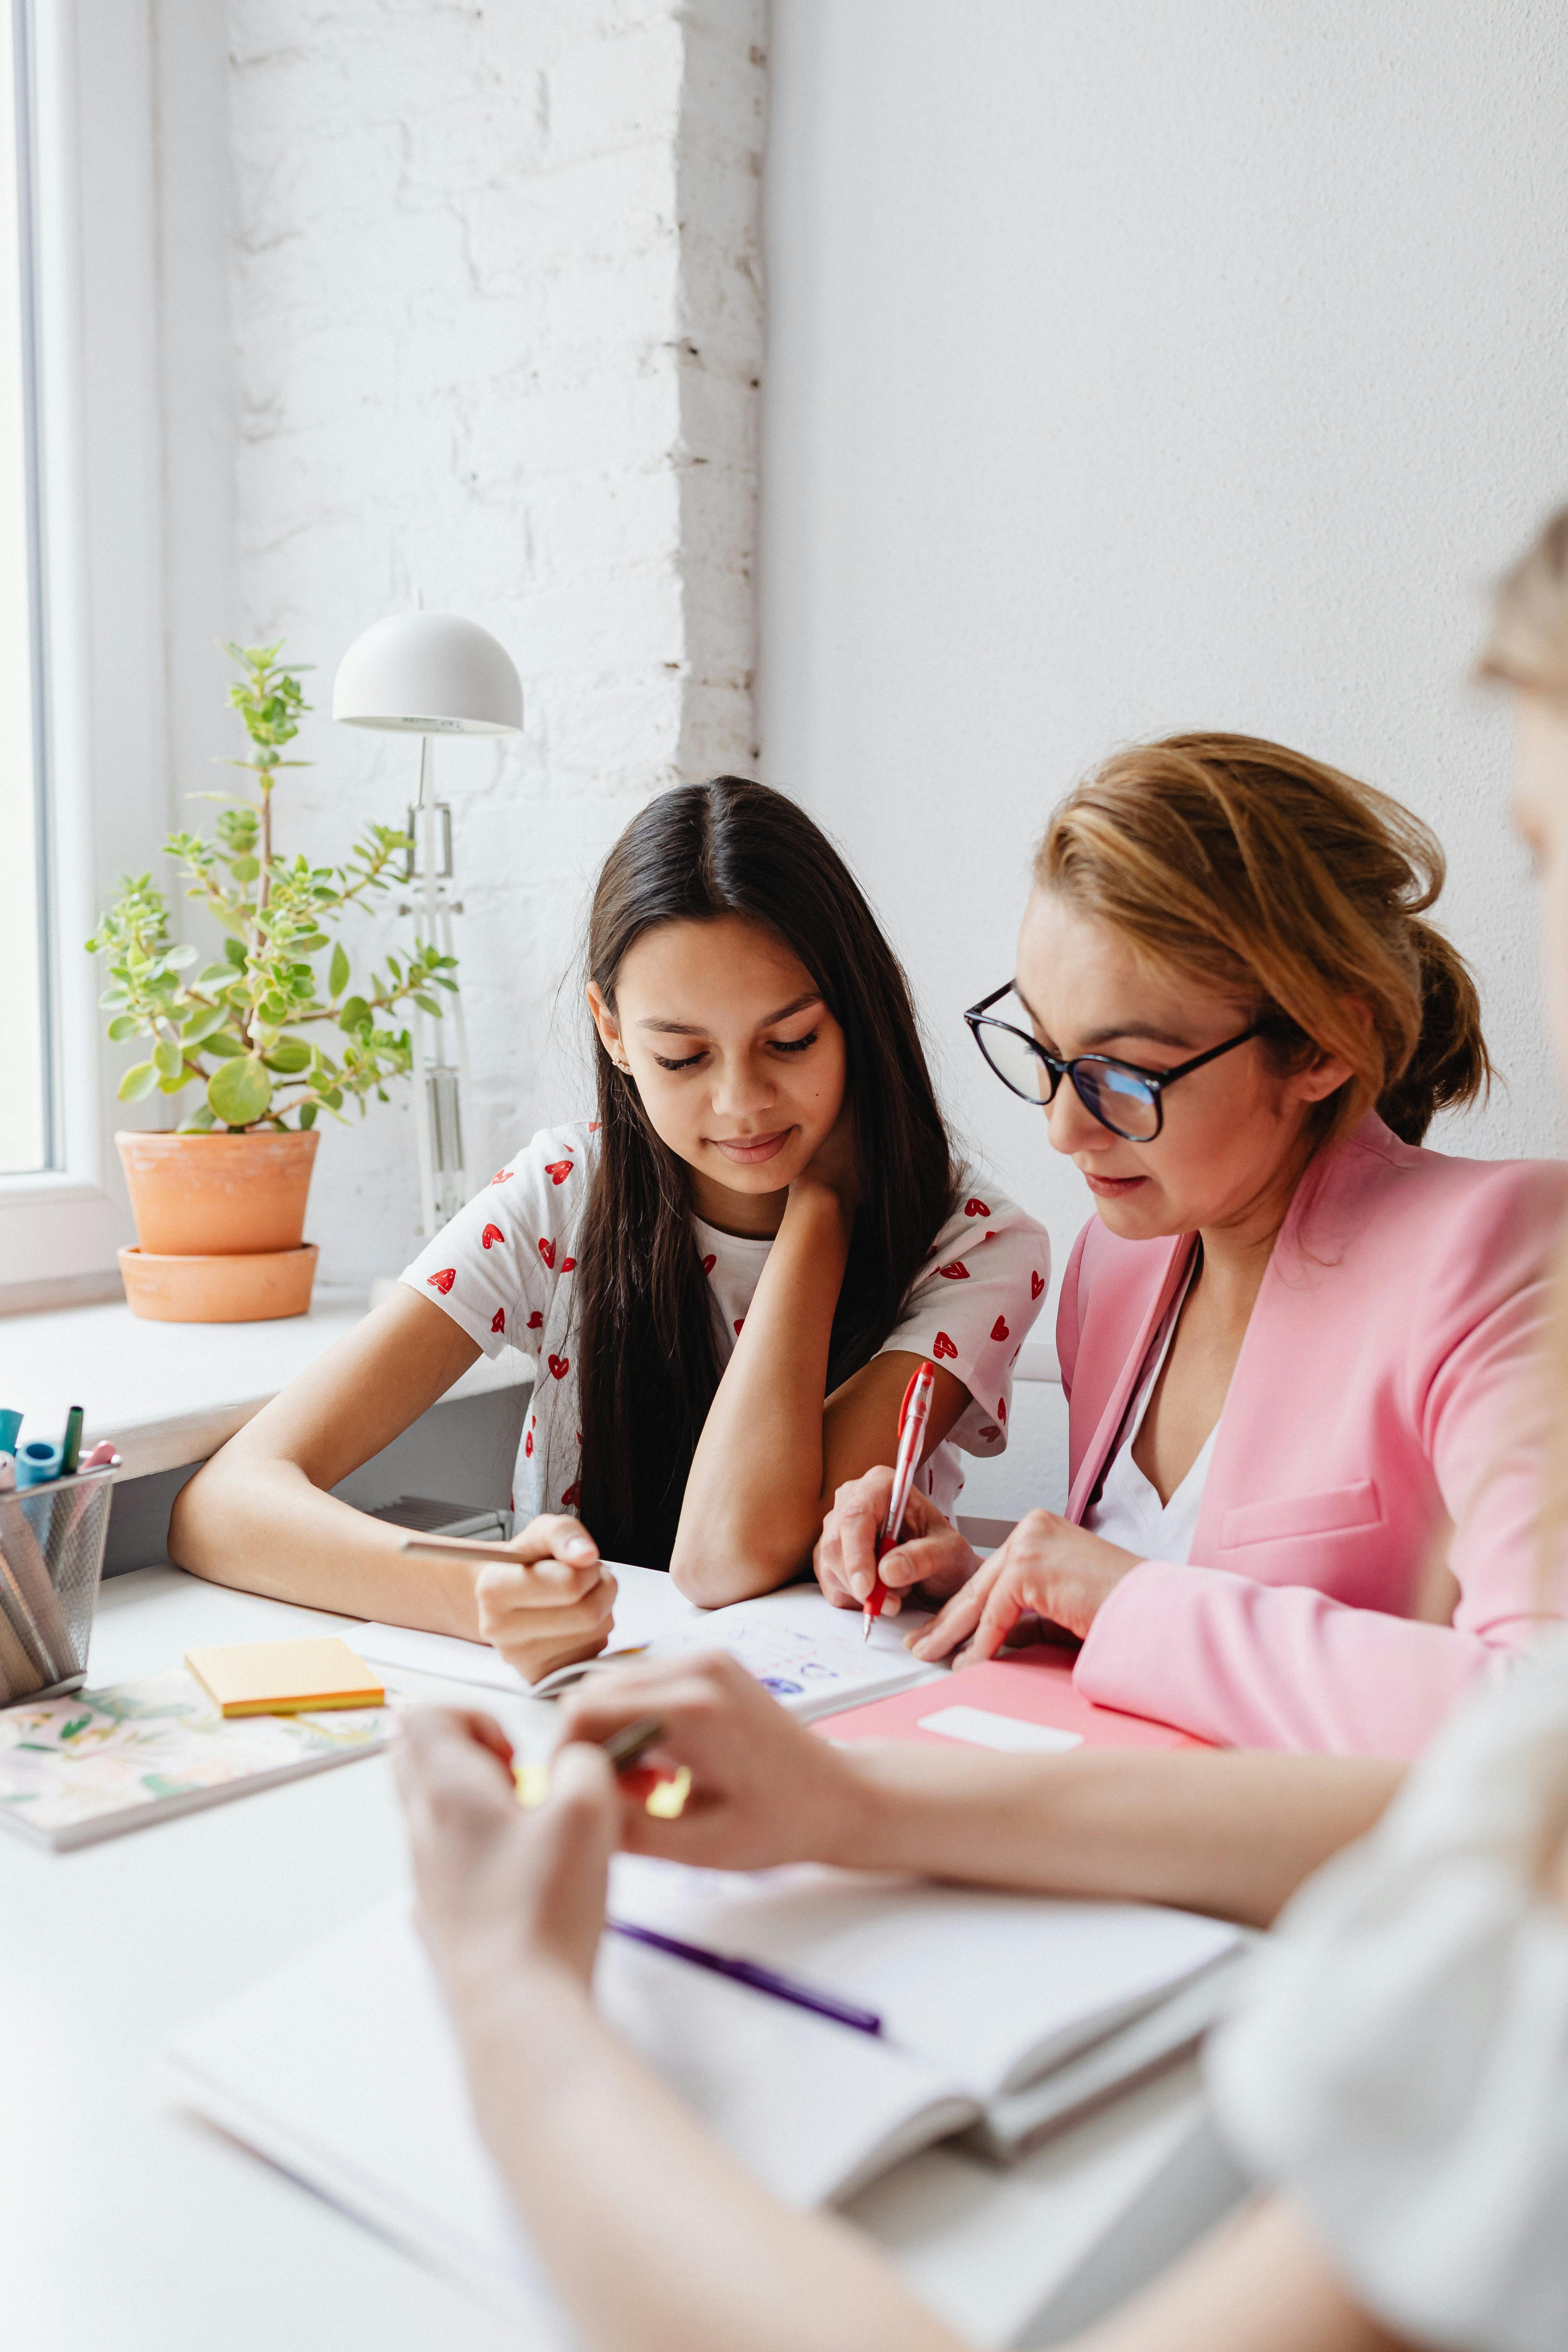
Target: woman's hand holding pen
{"type": "Point", "coordinates": [932, 1560]}
{"type": "Point", "coordinates": [764, 1790]}
{"type": "Point", "coordinates": [502, 1891]}
{"type": "Point", "coordinates": [1049, 1567]}
{"type": "Point", "coordinates": [551, 1609]}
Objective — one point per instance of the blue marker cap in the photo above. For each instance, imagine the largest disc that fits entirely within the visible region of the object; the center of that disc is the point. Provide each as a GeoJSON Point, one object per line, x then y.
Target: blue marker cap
{"type": "Point", "coordinates": [37, 1463]}
{"type": "Point", "coordinates": [10, 1423]}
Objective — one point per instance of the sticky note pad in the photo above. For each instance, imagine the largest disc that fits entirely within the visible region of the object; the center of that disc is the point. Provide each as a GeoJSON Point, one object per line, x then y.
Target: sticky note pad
{"type": "Point", "coordinates": [1011, 1734]}
{"type": "Point", "coordinates": [284, 1677]}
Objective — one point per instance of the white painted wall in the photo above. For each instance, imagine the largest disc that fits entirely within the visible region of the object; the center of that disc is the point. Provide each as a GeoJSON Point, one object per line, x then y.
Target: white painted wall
{"type": "Point", "coordinates": [1132, 368]}
{"type": "Point", "coordinates": [480, 354]}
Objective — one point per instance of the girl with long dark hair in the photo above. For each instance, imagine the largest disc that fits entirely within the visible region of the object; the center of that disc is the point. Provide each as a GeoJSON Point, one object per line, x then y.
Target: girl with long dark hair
{"type": "Point", "coordinates": [727, 1275]}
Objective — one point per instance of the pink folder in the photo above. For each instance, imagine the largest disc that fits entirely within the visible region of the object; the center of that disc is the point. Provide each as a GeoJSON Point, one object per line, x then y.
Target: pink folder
{"type": "Point", "coordinates": [1037, 1685]}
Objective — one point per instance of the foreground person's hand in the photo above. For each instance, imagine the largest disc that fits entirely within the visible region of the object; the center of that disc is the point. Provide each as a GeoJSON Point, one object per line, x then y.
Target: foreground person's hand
{"type": "Point", "coordinates": [554, 1607]}
{"type": "Point", "coordinates": [1047, 1567]}
{"type": "Point", "coordinates": [501, 1890]}
{"type": "Point", "coordinates": [763, 1788]}
{"type": "Point", "coordinates": [932, 1560]}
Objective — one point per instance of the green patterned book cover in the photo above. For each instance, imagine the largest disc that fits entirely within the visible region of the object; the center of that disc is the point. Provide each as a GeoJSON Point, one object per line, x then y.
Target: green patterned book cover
{"type": "Point", "coordinates": [100, 1761]}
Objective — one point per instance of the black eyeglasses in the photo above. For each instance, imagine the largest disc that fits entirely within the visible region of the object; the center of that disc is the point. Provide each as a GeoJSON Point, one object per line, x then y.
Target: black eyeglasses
{"type": "Point", "coordinates": [1126, 1100]}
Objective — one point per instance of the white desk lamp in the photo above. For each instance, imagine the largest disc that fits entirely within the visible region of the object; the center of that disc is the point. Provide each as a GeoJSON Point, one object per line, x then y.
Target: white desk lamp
{"type": "Point", "coordinates": [429, 674]}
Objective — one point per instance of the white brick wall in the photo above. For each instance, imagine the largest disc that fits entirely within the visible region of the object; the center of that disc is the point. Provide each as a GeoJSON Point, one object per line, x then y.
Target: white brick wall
{"type": "Point", "coordinates": [497, 323]}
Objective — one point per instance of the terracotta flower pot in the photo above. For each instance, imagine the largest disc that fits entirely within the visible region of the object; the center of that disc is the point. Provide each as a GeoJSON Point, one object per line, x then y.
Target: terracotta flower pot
{"type": "Point", "coordinates": [212, 1198]}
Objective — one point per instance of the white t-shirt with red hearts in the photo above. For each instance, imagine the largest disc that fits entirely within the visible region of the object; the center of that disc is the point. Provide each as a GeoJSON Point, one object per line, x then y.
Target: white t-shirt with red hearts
{"type": "Point", "coordinates": [502, 1268]}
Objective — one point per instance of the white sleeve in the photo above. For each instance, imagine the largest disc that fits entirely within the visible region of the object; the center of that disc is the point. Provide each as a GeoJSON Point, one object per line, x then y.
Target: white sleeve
{"type": "Point", "coordinates": [972, 1307]}
{"type": "Point", "coordinates": [494, 1267]}
{"type": "Point", "coordinates": [1400, 2067]}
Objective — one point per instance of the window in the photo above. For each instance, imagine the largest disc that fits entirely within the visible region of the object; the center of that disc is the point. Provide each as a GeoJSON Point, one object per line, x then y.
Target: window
{"type": "Point", "coordinates": [26, 1124]}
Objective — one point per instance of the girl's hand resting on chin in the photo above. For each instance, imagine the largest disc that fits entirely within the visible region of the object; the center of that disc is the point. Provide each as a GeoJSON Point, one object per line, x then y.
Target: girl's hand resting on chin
{"type": "Point", "coordinates": [554, 1606]}
{"type": "Point", "coordinates": [932, 1560]}
{"type": "Point", "coordinates": [1047, 1567]}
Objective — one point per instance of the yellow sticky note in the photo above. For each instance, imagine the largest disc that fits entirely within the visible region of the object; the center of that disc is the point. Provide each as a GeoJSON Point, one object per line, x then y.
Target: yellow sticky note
{"type": "Point", "coordinates": [285, 1677]}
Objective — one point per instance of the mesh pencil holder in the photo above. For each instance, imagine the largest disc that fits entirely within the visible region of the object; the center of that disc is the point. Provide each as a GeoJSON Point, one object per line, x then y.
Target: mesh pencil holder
{"type": "Point", "coordinates": [51, 1557]}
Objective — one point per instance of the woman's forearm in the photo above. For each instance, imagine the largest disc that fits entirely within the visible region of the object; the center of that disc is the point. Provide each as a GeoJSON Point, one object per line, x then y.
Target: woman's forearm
{"type": "Point", "coordinates": [753, 1496]}
{"type": "Point", "coordinates": [1230, 1834]}
{"type": "Point", "coordinates": [261, 1513]}
{"type": "Point", "coordinates": [654, 2235]}
{"type": "Point", "coordinates": [257, 1522]}
{"type": "Point", "coordinates": [1258, 2283]}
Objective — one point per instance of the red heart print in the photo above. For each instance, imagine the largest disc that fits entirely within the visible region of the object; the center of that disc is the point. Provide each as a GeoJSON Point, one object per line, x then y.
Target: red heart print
{"type": "Point", "coordinates": [1036, 1283]}
{"type": "Point", "coordinates": [547, 1250]}
{"type": "Point", "coordinates": [593, 1126]}
{"type": "Point", "coordinates": [956, 1271]}
{"type": "Point", "coordinates": [989, 1429]}
{"type": "Point", "coordinates": [527, 1445]}
{"type": "Point", "coordinates": [943, 1347]}
{"type": "Point", "coordinates": [988, 1236]}
{"type": "Point", "coordinates": [740, 1324]}
{"type": "Point", "coordinates": [498, 1321]}
{"type": "Point", "coordinates": [443, 1280]}
{"type": "Point", "coordinates": [491, 1235]}
{"type": "Point", "coordinates": [500, 1175]}
{"type": "Point", "coordinates": [572, 1497]}
{"type": "Point", "coordinates": [536, 1321]}
{"type": "Point", "coordinates": [999, 1328]}
{"type": "Point", "coordinates": [558, 1171]}
{"type": "Point", "coordinates": [1002, 1411]}
{"type": "Point", "coordinates": [568, 1265]}
{"type": "Point", "coordinates": [709, 1263]}
{"type": "Point", "coordinates": [560, 1365]}
{"type": "Point", "coordinates": [977, 1209]}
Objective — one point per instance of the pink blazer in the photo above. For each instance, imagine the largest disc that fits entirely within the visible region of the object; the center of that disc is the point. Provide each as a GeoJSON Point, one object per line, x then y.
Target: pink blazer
{"type": "Point", "coordinates": [1383, 1390]}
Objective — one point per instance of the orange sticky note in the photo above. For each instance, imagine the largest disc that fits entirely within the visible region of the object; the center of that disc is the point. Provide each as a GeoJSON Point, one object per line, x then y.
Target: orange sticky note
{"type": "Point", "coordinates": [284, 1677]}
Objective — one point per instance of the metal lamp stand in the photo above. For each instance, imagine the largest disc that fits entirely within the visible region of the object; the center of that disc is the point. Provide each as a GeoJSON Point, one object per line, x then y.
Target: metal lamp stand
{"type": "Point", "coordinates": [441, 1117]}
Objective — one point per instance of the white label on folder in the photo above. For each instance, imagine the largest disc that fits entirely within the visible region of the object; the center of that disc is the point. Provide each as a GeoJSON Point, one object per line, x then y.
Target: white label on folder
{"type": "Point", "coordinates": [981, 1728]}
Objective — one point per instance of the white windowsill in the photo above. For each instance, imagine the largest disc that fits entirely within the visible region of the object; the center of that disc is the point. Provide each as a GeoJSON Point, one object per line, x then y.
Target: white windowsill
{"type": "Point", "coordinates": [170, 1393]}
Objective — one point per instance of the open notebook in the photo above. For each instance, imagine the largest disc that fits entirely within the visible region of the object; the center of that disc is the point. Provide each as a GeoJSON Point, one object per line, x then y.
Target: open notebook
{"type": "Point", "coordinates": [341, 2066]}
{"type": "Point", "coordinates": [812, 1656]}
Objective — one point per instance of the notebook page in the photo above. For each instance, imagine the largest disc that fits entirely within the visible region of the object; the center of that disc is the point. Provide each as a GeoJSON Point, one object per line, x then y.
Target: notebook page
{"type": "Point", "coordinates": [815, 1659]}
{"type": "Point", "coordinates": [988, 1987]}
{"type": "Point", "coordinates": [342, 2065]}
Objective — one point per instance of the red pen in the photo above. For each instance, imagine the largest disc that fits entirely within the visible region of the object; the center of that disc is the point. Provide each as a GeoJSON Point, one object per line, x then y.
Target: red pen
{"type": "Point", "coordinates": [913, 1415]}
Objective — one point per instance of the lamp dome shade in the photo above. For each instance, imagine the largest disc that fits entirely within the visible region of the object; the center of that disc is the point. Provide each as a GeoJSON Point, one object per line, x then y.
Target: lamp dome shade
{"type": "Point", "coordinates": [428, 674]}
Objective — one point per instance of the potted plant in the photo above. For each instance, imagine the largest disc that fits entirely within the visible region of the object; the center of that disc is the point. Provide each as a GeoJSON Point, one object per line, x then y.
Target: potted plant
{"type": "Point", "coordinates": [219, 1201]}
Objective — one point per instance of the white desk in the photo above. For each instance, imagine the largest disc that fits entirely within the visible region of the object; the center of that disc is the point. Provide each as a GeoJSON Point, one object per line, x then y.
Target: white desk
{"type": "Point", "coordinates": [124, 2222]}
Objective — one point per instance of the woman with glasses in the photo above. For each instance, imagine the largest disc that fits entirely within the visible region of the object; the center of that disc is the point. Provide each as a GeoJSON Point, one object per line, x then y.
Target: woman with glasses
{"type": "Point", "coordinates": [1291, 1337]}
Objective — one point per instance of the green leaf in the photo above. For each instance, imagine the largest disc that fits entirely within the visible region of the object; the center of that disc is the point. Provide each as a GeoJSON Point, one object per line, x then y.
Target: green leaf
{"type": "Point", "coordinates": [306, 1114]}
{"type": "Point", "coordinates": [200, 1122]}
{"type": "Point", "coordinates": [427, 1004]}
{"type": "Point", "coordinates": [203, 1021]}
{"type": "Point", "coordinates": [338, 972]}
{"type": "Point", "coordinates": [139, 1079]}
{"type": "Point", "coordinates": [167, 1058]}
{"type": "Point", "coordinates": [354, 1013]}
{"type": "Point", "coordinates": [239, 1092]}
{"type": "Point", "coordinates": [125, 1024]}
{"type": "Point", "coordinates": [234, 951]}
{"type": "Point", "coordinates": [224, 1044]}
{"type": "Point", "coordinates": [178, 959]}
{"type": "Point", "coordinates": [245, 870]}
{"type": "Point", "coordinates": [216, 975]}
{"type": "Point", "coordinates": [290, 1054]}
{"type": "Point", "coordinates": [113, 996]}
{"type": "Point", "coordinates": [175, 1085]}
